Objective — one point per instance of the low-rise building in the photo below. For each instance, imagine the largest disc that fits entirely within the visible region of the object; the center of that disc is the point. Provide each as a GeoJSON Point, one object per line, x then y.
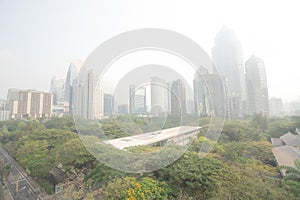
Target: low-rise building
{"type": "Point", "coordinates": [181, 135]}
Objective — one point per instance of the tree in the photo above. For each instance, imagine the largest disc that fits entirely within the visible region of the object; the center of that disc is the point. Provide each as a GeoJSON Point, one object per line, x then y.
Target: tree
{"type": "Point", "coordinates": [130, 188]}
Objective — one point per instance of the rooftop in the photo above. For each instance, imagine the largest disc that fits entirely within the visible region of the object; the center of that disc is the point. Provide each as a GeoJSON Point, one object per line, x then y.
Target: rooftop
{"type": "Point", "coordinates": [291, 139]}
{"type": "Point", "coordinates": [286, 155]}
{"type": "Point", "coordinates": [151, 137]}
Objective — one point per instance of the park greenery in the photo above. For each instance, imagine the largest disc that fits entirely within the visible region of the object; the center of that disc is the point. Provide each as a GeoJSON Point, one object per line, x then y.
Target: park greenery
{"type": "Point", "coordinates": [240, 166]}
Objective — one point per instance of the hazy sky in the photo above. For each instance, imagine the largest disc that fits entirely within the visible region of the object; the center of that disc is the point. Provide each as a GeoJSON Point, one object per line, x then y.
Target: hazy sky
{"type": "Point", "coordinates": [38, 39]}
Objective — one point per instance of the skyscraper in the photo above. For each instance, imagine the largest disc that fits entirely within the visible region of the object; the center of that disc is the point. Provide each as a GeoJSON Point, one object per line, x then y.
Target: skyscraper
{"type": "Point", "coordinates": [71, 79]}
{"type": "Point", "coordinates": [227, 55]}
{"type": "Point", "coordinates": [58, 91]}
{"type": "Point", "coordinates": [178, 98]}
{"type": "Point", "coordinates": [159, 98]}
{"type": "Point", "coordinates": [137, 100]}
{"type": "Point", "coordinates": [257, 88]}
{"type": "Point", "coordinates": [88, 96]}
{"type": "Point", "coordinates": [210, 94]}
{"type": "Point", "coordinates": [108, 103]}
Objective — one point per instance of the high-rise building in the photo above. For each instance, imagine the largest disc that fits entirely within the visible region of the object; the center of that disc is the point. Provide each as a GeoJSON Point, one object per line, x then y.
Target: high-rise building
{"type": "Point", "coordinates": [4, 110]}
{"type": "Point", "coordinates": [159, 98]}
{"type": "Point", "coordinates": [227, 56]}
{"type": "Point", "coordinates": [71, 81]}
{"type": "Point", "coordinates": [257, 87]}
{"type": "Point", "coordinates": [137, 100]}
{"type": "Point", "coordinates": [108, 104]}
{"type": "Point", "coordinates": [123, 109]}
{"type": "Point", "coordinates": [210, 95]}
{"type": "Point", "coordinates": [88, 96]}
{"type": "Point", "coordinates": [58, 91]}
{"type": "Point", "coordinates": [276, 106]}
{"type": "Point", "coordinates": [31, 103]}
{"type": "Point", "coordinates": [178, 98]}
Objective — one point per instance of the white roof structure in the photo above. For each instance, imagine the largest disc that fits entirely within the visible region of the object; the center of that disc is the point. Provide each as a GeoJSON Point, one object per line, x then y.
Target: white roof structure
{"type": "Point", "coordinates": [151, 137]}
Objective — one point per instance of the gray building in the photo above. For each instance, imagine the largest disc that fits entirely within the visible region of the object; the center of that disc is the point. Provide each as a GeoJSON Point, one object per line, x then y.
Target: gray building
{"type": "Point", "coordinates": [257, 87]}
{"type": "Point", "coordinates": [159, 96]}
{"type": "Point", "coordinates": [227, 56]}
{"type": "Point", "coordinates": [58, 91]}
{"type": "Point", "coordinates": [108, 103]}
{"type": "Point", "coordinates": [178, 98]}
{"type": "Point", "coordinates": [137, 100]}
{"type": "Point", "coordinates": [210, 95]}
{"type": "Point", "coordinates": [71, 80]}
{"type": "Point", "coordinates": [276, 106]}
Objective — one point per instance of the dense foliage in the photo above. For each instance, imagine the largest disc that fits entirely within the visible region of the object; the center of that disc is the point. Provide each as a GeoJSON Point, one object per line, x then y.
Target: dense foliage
{"type": "Point", "coordinates": [241, 165]}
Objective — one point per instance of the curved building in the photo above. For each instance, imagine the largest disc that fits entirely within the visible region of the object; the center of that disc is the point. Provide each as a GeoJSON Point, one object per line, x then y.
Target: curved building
{"type": "Point", "coordinates": [72, 76]}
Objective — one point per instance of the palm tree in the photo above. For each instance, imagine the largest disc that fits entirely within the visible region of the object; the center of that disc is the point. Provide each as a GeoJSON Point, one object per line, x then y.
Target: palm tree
{"type": "Point", "coordinates": [292, 173]}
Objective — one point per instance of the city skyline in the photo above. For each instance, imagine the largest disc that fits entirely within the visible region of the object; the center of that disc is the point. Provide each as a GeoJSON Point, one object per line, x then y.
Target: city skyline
{"type": "Point", "coordinates": [272, 37]}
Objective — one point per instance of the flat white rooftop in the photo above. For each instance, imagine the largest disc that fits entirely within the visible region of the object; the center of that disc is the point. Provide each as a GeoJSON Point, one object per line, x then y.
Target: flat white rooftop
{"type": "Point", "coordinates": [151, 137]}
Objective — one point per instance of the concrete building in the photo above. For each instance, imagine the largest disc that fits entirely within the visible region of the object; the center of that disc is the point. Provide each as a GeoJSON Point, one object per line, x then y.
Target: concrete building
{"type": "Point", "coordinates": [108, 103]}
{"type": "Point", "coordinates": [276, 106]}
{"type": "Point", "coordinates": [4, 110]}
{"type": "Point", "coordinates": [181, 135]}
{"type": "Point", "coordinates": [32, 103]}
{"type": "Point", "coordinates": [88, 96]}
{"type": "Point", "coordinates": [210, 95]}
{"type": "Point", "coordinates": [178, 98]}
{"type": "Point", "coordinates": [58, 91]}
{"type": "Point", "coordinates": [159, 96]}
{"type": "Point", "coordinates": [227, 56]}
{"type": "Point", "coordinates": [137, 100]}
{"type": "Point", "coordinates": [257, 87]}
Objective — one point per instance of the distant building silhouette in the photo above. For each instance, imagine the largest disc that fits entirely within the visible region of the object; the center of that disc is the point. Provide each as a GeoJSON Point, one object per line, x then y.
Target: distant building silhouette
{"type": "Point", "coordinates": [159, 96]}
{"type": "Point", "coordinates": [227, 55]}
{"type": "Point", "coordinates": [137, 100]}
{"type": "Point", "coordinates": [71, 80]}
{"type": "Point", "coordinates": [58, 91]}
{"type": "Point", "coordinates": [257, 87]}
{"type": "Point", "coordinates": [178, 98]}
{"type": "Point", "coordinates": [108, 104]}
{"type": "Point", "coordinates": [276, 106]}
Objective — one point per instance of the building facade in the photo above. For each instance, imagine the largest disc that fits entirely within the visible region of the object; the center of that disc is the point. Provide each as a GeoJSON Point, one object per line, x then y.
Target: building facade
{"type": "Point", "coordinates": [137, 100]}
{"type": "Point", "coordinates": [257, 87]}
{"type": "Point", "coordinates": [227, 56]}
{"type": "Point", "coordinates": [31, 103]}
{"type": "Point", "coordinates": [178, 98]}
{"type": "Point", "coordinates": [71, 81]}
{"type": "Point", "coordinates": [159, 96]}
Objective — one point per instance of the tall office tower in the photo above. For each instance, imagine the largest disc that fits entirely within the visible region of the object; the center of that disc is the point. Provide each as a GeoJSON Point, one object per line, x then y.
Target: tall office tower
{"type": "Point", "coordinates": [4, 111]}
{"type": "Point", "coordinates": [32, 103]}
{"type": "Point", "coordinates": [71, 80]}
{"type": "Point", "coordinates": [210, 94]}
{"type": "Point", "coordinates": [257, 88]}
{"type": "Point", "coordinates": [108, 104]}
{"type": "Point", "coordinates": [137, 100]}
{"type": "Point", "coordinates": [159, 100]}
{"type": "Point", "coordinates": [168, 95]}
{"type": "Point", "coordinates": [276, 106]}
{"type": "Point", "coordinates": [227, 55]}
{"type": "Point", "coordinates": [178, 98]}
{"type": "Point", "coordinates": [88, 96]}
{"type": "Point", "coordinates": [58, 91]}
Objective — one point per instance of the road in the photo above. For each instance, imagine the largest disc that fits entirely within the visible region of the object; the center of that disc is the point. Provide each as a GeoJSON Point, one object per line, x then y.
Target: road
{"type": "Point", "coordinates": [19, 183]}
